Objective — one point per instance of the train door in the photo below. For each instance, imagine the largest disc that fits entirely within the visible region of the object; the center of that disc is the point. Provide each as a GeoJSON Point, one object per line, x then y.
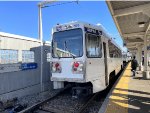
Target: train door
{"type": "Point", "coordinates": [105, 62]}
{"type": "Point", "coordinates": [94, 61]}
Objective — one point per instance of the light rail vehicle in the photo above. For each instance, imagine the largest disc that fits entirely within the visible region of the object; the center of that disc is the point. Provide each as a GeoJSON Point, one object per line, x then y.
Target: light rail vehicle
{"type": "Point", "coordinates": [84, 55]}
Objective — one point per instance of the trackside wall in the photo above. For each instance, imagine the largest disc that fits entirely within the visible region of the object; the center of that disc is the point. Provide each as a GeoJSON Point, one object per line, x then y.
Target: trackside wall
{"type": "Point", "coordinates": [16, 79]}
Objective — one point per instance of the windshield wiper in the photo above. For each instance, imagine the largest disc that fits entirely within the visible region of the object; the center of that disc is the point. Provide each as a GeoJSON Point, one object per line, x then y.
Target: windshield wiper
{"type": "Point", "coordinates": [66, 49]}
{"type": "Point", "coordinates": [73, 56]}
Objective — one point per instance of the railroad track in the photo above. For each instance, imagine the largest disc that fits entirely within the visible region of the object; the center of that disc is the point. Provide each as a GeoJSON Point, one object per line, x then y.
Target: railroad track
{"type": "Point", "coordinates": [44, 107]}
{"type": "Point", "coordinates": [89, 100]}
{"type": "Point", "coordinates": [36, 106]}
{"type": "Point", "coordinates": [67, 109]}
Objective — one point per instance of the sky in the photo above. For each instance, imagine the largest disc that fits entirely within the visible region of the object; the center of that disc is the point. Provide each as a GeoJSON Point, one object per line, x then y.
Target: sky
{"type": "Point", "coordinates": [21, 17]}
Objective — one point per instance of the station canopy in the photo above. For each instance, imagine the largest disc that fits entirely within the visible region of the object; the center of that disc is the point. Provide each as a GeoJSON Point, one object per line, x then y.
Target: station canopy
{"type": "Point", "coordinates": [132, 19]}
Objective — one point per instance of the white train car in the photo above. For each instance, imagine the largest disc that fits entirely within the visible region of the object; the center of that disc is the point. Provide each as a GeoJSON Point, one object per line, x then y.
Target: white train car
{"type": "Point", "coordinates": [126, 57]}
{"type": "Point", "coordinates": [92, 57]}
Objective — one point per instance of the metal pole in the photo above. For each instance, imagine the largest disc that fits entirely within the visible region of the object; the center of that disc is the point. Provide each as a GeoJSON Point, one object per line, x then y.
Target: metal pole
{"type": "Point", "coordinates": [145, 53]}
{"type": "Point", "coordinates": [146, 73]}
{"type": "Point", "coordinates": [0, 42]}
{"type": "Point", "coordinates": [139, 56]}
{"type": "Point", "coordinates": [40, 6]}
{"type": "Point", "coordinates": [41, 45]}
{"type": "Point", "coordinates": [140, 65]}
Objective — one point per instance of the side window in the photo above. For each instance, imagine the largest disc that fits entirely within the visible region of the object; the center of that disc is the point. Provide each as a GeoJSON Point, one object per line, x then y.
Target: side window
{"type": "Point", "coordinates": [114, 52]}
{"type": "Point", "coordinates": [93, 46]}
{"type": "Point", "coordinates": [111, 49]}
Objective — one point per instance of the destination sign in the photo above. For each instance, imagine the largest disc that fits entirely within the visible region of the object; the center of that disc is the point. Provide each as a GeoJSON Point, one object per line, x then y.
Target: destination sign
{"type": "Point", "coordinates": [92, 31]}
{"type": "Point", "coordinates": [67, 27]}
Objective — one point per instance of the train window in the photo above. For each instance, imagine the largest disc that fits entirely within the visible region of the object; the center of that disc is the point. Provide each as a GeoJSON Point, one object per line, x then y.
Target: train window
{"type": "Point", "coordinates": [27, 56]}
{"type": "Point", "coordinates": [111, 49]}
{"type": "Point", "coordinates": [114, 52]}
{"type": "Point", "coordinates": [8, 56]}
{"type": "Point", "coordinates": [93, 46]}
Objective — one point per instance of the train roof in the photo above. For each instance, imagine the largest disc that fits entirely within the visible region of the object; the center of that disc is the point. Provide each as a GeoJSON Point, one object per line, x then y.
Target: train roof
{"type": "Point", "coordinates": [97, 27]}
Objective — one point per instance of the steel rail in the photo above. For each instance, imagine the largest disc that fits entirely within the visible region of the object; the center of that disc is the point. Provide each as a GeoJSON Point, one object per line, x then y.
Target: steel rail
{"type": "Point", "coordinates": [83, 108]}
{"type": "Point", "coordinates": [37, 105]}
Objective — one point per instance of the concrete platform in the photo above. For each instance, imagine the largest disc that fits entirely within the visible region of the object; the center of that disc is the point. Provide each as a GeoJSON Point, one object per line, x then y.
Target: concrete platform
{"type": "Point", "coordinates": [129, 95]}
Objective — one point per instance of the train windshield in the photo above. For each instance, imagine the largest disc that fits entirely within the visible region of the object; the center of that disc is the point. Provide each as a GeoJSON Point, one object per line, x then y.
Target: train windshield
{"type": "Point", "coordinates": [68, 43]}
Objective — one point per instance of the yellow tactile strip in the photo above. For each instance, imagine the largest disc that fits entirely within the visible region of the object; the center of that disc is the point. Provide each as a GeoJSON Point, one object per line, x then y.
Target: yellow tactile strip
{"type": "Point", "coordinates": [118, 101]}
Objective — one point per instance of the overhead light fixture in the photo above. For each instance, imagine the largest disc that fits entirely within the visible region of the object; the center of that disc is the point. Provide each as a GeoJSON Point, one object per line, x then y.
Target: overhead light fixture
{"type": "Point", "coordinates": [141, 24]}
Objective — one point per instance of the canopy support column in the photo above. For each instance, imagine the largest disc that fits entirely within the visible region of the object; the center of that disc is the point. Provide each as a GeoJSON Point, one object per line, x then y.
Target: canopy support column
{"type": "Point", "coordinates": [139, 57]}
{"type": "Point", "coordinates": [146, 74]}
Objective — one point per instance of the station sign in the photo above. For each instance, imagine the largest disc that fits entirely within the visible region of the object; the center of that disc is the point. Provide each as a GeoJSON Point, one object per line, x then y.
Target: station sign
{"type": "Point", "coordinates": [92, 31]}
{"type": "Point", "coordinates": [28, 66]}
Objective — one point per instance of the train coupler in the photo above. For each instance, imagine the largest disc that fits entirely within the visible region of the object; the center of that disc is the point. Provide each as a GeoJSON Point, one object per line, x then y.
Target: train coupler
{"type": "Point", "coordinates": [78, 92]}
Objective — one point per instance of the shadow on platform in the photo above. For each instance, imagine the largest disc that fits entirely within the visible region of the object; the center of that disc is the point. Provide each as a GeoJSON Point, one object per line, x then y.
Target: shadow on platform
{"type": "Point", "coordinates": [131, 103]}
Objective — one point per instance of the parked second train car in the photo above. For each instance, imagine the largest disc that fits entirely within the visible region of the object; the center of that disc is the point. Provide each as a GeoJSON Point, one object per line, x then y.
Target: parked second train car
{"type": "Point", "coordinates": [88, 56]}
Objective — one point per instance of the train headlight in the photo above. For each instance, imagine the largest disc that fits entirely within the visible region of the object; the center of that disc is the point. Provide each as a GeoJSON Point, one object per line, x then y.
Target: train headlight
{"type": "Point", "coordinates": [56, 67]}
{"type": "Point", "coordinates": [77, 67]}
